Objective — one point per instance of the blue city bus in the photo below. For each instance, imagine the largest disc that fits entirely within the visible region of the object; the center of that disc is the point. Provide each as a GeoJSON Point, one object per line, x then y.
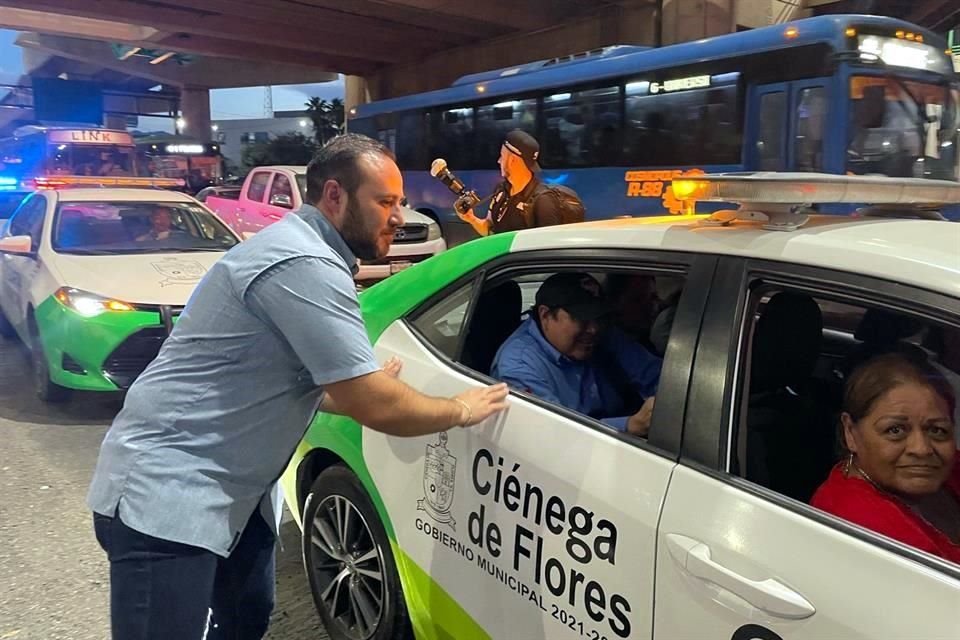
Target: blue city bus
{"type": "Point", "coordinates": [836, 94]}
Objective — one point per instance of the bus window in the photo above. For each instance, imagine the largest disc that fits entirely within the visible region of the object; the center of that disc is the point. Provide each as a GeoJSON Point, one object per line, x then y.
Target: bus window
{"type": "Point", "coordinates": [770, 137]}
{"type": "Point", "coordinates": [582, 128]}
{"type": "Point", "coordinates": [692, 127]}
{"type": "Point", "coordinates": [902, 128]}
{"type": "Point", "coordinates": [452, 136]}
{"type": "Point", "coordinates": [411, 137]}
{"type": "Point", "coordinates": [808, 132]}
{"type": "Point", "coordinates": [495, 121]}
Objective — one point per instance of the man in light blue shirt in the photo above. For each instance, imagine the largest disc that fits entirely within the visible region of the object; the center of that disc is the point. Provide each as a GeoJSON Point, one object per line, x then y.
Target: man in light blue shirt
{"type": "Point", "coordinates": [563, 353]}
{"type": "Point", "coordinates": [184, 493]}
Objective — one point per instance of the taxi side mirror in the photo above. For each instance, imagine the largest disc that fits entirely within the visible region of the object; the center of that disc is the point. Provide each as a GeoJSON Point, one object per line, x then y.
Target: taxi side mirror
{"type": "Point", "coordinates": [18, 245]}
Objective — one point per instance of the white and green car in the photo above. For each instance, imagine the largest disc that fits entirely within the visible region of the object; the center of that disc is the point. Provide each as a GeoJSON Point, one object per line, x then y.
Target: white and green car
{"type": "Point", "coordinates": [543, 523]}
{"type": "Point", "coordinates": [91, 280]}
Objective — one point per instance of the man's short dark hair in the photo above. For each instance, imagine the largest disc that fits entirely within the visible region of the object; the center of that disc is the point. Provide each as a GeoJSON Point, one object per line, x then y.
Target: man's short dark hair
{"type": "Point", "coordinates": [339, 159]}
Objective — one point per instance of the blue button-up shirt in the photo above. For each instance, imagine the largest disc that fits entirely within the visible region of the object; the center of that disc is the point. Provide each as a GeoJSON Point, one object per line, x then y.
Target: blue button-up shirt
{"type": "Point", "coordinates": [527, 361]}
{"type": "Point", "coordinates": [208, 428]}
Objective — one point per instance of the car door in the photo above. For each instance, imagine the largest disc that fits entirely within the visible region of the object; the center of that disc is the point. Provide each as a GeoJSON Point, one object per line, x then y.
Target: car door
{"type": "Point", "coordinates": [542, 523]}
{"type": "Point", "coordinates": [249, 218]}
{"type": "Point", "coordinates": [280, 199]}
{"type": "Point", "coordinates": [18, 272]}
{"type": "Point", "coordinates": [739, 559]}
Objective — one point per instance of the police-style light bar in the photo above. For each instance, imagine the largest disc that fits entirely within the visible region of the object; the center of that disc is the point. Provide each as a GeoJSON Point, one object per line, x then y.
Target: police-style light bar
{"type": "Point", "coordinates": [784, 201]}
{"type": "Point", "coordinates": [41, 183]}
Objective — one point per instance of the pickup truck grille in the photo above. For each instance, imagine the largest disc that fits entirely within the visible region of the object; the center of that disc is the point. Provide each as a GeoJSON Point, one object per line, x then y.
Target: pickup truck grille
{"type": "Point", "coordinates": [409, 233]}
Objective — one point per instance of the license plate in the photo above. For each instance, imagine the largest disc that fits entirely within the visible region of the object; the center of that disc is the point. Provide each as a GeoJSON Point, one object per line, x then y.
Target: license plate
{"type": "Point", "coordinates": [396, 267]}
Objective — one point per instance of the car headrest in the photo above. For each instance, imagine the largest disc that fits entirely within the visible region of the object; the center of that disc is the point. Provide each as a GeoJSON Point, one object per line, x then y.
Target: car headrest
{"type": "Point", "coordinates": [786, 344]}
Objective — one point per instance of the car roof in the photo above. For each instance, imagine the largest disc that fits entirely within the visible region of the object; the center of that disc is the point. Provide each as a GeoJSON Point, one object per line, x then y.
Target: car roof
{"type": "Point", "coordinates": [295, 168]}
{"type": "Point", "coordinates": [925, 253]}
{"type": "Point", "coordinates": [131, 195]}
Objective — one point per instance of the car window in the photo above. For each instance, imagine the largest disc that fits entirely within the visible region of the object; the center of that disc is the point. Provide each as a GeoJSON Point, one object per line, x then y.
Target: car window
{"type": "Point", "coordinates": [105, 227]}
{"type": "Point", "coordinates": [258, 186]}
{"type": "Point", "coordinates": [281, 186]}
{"type": "Point", "coordinates": [801, 354]}
{"type": "Point", "coordinates": [28, 220]}
{"type": "Point", "coordinates": [442, 324]}
{"type": "Point", "coordinates": [604, 368]}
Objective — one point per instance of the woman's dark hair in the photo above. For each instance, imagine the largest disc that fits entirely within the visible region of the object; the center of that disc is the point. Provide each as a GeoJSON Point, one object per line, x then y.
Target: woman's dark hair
{"type": "Point", "coordinates": [339, 159]}
{"type": "Point", "coordinates": [883, 373]}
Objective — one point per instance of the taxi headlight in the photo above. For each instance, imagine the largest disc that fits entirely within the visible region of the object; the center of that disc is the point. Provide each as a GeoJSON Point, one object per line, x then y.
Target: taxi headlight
{"type": "Point", "coordinates": [433, 232]}
{"type": "Point", "coordinates": [88, 304]}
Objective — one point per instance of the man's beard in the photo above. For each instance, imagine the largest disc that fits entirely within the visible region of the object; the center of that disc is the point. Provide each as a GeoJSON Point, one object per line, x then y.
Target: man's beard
{"type": "Point", "coordinates": [359, 235]}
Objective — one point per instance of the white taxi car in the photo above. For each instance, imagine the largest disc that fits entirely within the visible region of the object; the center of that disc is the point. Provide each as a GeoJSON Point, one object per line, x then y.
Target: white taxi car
{"type": "Point", "coordinates": [545, 523]}
{"type": "Point", "coordinates": [92, 280]}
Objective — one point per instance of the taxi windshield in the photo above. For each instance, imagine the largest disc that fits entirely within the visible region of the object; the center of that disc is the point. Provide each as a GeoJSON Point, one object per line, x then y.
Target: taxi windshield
{"type": "Point", "coordinates": [902, 128]}
{"type": "Point", "coordinates": [104, 228]}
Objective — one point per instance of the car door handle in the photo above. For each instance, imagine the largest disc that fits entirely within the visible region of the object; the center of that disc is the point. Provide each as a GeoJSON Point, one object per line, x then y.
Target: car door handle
{"type": "Point", "coordinates": [273, 215]}
{"type": "Point", "coordinates": [768, 595]}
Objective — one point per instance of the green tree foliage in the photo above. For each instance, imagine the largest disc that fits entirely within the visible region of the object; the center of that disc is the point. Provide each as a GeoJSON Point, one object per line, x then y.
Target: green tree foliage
{"type": "Point", "coordinates": [327, 118]}
{"type": "Point", "coordinates": [288, 148]}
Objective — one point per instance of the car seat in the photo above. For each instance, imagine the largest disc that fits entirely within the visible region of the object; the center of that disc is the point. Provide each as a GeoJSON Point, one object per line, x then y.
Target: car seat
{"type": "Point", "coordinates": [790, 423]}
{"type": "Point", "coordinates": [497, 315]}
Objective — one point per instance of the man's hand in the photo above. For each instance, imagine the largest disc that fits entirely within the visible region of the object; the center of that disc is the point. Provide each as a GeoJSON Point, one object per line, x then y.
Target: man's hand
{"type": "Point", "coordinates": [481, 403]}
{"type": "Point", "coordinates": [639, 423]}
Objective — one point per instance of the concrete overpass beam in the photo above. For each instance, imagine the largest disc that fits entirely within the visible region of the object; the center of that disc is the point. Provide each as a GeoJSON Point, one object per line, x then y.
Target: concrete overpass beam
{"type": "Point", "coordinates": [628, 22]}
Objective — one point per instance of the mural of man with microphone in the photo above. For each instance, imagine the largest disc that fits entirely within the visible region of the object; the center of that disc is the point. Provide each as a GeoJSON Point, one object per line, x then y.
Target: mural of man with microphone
{"type": "Point", "coordinates": [519, 202]}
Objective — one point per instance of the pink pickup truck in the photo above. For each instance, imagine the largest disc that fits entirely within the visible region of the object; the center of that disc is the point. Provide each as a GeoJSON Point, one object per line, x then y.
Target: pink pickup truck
{"type": "Point", "coordinates": [269, 193]}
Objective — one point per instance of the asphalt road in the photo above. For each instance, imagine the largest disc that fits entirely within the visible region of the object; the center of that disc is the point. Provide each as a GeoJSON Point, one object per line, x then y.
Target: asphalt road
{"type": "Point", "coordinates": [53, 575]}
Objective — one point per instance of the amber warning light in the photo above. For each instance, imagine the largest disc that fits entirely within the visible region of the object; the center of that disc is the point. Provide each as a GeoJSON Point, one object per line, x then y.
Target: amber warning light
{"type": "Point", "coordinates": [784, 201]}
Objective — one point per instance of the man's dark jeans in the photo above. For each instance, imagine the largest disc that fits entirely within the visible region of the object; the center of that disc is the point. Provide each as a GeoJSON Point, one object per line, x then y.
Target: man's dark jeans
{"type": "Point", "coordinates": [162, 590]}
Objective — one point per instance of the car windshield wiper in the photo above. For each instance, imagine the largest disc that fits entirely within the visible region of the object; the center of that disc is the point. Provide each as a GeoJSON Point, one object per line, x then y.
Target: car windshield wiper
{"type": "Point", "coordinates": [189, 249]}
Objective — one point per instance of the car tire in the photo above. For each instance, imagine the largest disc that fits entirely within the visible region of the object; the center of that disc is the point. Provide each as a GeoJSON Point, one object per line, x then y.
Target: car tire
{"type": "Point", "coordinates": [6, 329]}
{"type": "Point", "coordinates": [341, 561]}
{"type": "Point", "coordinates": [45, 388]}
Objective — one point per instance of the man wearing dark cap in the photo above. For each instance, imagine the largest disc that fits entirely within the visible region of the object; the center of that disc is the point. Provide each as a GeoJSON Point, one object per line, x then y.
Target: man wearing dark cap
{"type": "Point", "coordinates": [564, 353]}
{"type": "Point", "coordinates": [519, 202]}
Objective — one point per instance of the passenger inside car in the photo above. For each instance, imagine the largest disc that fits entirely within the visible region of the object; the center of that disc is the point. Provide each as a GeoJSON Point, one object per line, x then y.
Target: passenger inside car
{"type": "Point", "coordinates": [900, 476]}
{"type": "Point", "coordinates": [566, 353]}
{"type": "Point", "coordinates": [789, 433]}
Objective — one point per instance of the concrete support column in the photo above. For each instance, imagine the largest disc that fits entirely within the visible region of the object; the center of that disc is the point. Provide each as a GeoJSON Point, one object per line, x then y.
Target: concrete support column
{"type": "Point", "coordinates": [355, 92]}
{"type": "Point", "coordinates": [195, 110]}
{"type": "Point", "coordinates": [685, 20]}
{"type": "Point", "coordinates": [113, 121]}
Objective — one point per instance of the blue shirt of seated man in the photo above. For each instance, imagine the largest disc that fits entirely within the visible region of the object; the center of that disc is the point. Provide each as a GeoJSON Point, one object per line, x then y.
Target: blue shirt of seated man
{"type": "Point", "coordinates": [569, 359]}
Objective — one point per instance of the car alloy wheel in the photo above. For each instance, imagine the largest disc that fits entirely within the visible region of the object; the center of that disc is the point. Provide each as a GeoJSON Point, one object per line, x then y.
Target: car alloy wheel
{"type": "Point", "coordinates": [349, 561]}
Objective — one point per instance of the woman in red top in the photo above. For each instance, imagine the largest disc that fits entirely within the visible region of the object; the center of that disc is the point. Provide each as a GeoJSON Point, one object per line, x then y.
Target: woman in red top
{"type": "Point", "coordinates": [901, 477]}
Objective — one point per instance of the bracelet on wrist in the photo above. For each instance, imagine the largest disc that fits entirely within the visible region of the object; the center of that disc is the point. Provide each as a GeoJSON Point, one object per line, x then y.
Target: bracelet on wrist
{"type": "Point", "coordinates": [466, 406]}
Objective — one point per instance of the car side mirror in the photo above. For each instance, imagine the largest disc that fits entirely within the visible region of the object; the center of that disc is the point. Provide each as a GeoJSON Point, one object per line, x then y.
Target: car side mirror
{"type": "Point", "coordinates": [281, 200]}
{"type": "Point", "coordinates": [20, 245]}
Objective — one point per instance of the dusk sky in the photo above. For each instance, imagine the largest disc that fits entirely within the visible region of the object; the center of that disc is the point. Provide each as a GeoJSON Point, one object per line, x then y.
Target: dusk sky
{"type": "Point", "coordinates": [225, 104]}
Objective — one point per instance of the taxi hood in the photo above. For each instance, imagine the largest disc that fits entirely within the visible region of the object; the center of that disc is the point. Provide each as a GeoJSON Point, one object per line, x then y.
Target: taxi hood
{"type": "Point", "coordinates": [155, 278]}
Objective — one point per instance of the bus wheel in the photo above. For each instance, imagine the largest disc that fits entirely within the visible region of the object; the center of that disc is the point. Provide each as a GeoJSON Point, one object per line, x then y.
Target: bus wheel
{"type": "Point", "coordinates": [349, 562]}
{"type": "Point", "coordinates": [45, 388]}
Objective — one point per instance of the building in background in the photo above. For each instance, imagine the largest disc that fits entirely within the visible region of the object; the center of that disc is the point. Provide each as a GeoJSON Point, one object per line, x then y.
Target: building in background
{"type": "Point", "coordinates": [235, 135]}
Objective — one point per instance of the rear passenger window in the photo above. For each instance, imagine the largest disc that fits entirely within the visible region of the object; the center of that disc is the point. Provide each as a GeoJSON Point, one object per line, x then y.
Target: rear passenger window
{"type": "Point", "coordinates": [818, 397]}
{"type": "Point", "coordinates": [604, 364]}
{"type": "Point", "coordinates": [442, 324]}
{"type": "Point", "coordinates": [258, 186]}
